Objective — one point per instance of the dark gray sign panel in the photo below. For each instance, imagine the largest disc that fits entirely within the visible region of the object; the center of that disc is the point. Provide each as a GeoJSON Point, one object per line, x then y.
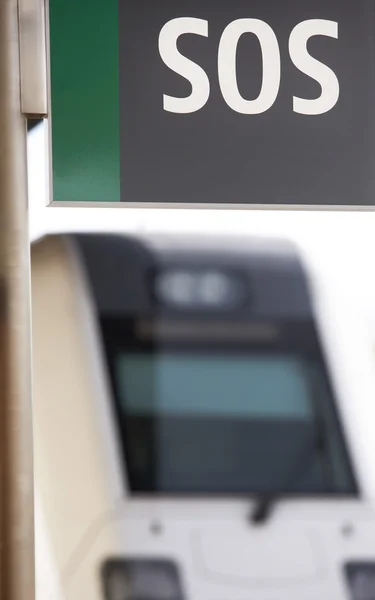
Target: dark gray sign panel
{"type": "Point", "coordinates": [257, 102]}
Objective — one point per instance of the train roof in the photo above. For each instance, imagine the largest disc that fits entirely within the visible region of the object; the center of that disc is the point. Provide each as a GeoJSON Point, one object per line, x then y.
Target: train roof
{"type": "Point", "coordinates": [119, 268]}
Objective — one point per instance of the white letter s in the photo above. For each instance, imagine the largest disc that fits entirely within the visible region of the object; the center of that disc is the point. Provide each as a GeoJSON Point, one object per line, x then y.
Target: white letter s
{"type": "Point", "coordinates": [312, 67]}
{"type": "Point", "coordinates": [183, 66]}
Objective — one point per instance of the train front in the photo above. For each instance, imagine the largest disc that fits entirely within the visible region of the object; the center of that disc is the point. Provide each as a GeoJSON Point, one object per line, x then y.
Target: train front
{"type": "Point", "coordinates": [190, 441]}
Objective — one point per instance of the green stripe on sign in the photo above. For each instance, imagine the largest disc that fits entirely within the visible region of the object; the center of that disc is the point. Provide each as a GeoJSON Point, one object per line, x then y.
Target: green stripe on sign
{"type": "Point", "coordinates": [85, 100]}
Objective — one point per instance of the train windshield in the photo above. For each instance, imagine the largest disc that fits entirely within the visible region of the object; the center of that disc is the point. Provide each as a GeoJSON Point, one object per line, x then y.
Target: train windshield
{"type": "Point", "coordinates": [230, 418]}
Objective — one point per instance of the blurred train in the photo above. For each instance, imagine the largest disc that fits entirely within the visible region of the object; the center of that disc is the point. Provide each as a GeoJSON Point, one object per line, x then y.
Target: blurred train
{"type": "Point", "coordinates": [202, 423]}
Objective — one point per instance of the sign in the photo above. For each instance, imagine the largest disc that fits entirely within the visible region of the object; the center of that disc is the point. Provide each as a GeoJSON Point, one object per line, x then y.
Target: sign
{"type": "Point", "coordinates": [213, 102]}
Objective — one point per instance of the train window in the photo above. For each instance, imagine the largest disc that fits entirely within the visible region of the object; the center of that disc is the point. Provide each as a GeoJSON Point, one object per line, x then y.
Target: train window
{"type": "Point", "coordinates": [211, 418]}
{"type": "Point", "coordinates": [257, 387]}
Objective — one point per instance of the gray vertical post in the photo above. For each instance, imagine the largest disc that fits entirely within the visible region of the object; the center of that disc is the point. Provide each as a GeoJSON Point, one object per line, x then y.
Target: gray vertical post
{"type": "Point", "coordinates": [16, 472]}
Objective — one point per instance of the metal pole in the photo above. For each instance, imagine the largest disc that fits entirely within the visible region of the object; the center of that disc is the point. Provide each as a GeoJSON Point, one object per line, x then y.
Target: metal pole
{"type": "Point", "coordinates": [16, 474]}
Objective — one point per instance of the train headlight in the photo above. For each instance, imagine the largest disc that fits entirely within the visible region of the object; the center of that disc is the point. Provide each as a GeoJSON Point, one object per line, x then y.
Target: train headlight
{"type": "Point", "coordinates": [361, 580]}
{"type": "Point", "coordinates": [201, 289]}
{"type": "Point", "coordinates": [132, 579]}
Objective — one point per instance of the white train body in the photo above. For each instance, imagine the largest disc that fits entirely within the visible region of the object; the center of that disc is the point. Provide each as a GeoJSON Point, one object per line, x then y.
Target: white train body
{"type": "Point", "coordinates": [174, 523]}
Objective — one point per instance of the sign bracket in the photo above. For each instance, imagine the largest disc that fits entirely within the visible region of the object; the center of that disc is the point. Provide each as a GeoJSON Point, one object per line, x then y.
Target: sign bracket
{"type": "Point", "coordinates": [33, 58]}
